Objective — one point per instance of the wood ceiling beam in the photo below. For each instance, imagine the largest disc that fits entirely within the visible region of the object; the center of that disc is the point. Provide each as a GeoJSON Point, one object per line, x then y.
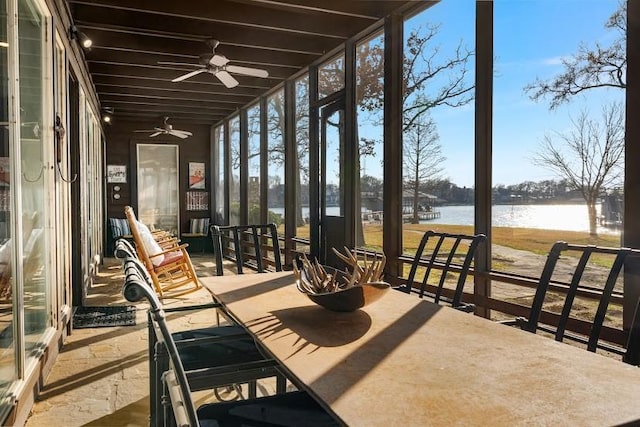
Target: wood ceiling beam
{"type": "Point", "coordinates": [122, 107]}
{"type": "Point", "coordinates": [169, 48]}
{"type": "Point", "coordinates": [146, 82]}
{"type": "Point", "coordinates": [113, 99]}
{"type": "Point", "coordinates": [111, 56]}
{"type": "Point", "coordinates": [365, 9]}
{"type": "Point", "coordinates": [88, 17]}
{"type": "Point", "coordinates": [168, 75]}
{"type": "Point", "coordinates": [152, 116]}
{"type": "Point", "coordinates": [148, 97]}
{"type": "Point", "coordinates": [161, 93]}
{"type": "Point", "coordinates": [243, 15]}
{"type": "Point", "coordinates": [141, 116]}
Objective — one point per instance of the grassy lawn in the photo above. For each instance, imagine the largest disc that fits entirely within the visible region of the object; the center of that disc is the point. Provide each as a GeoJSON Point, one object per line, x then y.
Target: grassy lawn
{"type": "Point", "coordinates": [526, 239]}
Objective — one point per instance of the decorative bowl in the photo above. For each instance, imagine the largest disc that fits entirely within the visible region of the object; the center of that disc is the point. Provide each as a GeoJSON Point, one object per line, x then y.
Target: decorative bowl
{"type": "Point", "coordinates": [349, 299]}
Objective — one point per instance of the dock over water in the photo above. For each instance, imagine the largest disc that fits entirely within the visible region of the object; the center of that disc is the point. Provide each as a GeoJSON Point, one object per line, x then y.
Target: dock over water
{"type": "Point", "coordinates": [406, 217]}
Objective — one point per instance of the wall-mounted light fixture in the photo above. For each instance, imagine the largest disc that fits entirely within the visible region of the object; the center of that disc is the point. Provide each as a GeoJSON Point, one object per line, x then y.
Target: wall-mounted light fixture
{"type": "Point", "coordinates": [107, 115]}
{"type": "Point", "coordinates": [82, 38]}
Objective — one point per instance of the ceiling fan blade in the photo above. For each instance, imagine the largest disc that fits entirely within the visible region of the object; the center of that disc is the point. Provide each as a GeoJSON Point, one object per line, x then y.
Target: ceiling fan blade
{"type": "Point", "coordinates": [226, 79]}
{"type": "Point", "coordinates": [179, 135]}
{"type": "Point", "coordinates": [182, 132]}
{"type": "Point", "coordinates": [154, 134]}
{"type": "Point", "coordinates": [145, 130]}
{"type": "Point", "coordinates": [218, 60]}
{"type": "Point", "coordinates": [254, 72]}
{"type": "Point", "coordinates": [188, 75]}
{"type": "Point", "coordinates": [183, 64]}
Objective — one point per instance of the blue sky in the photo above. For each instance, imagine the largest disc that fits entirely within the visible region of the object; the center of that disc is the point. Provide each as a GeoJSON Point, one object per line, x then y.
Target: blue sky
{"type": "Point", "coordinates": [530, 36]}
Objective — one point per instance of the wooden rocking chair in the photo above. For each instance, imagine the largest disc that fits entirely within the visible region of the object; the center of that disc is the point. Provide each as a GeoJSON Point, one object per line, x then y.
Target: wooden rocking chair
{"type": "Point", "coordinates": [169, 266]}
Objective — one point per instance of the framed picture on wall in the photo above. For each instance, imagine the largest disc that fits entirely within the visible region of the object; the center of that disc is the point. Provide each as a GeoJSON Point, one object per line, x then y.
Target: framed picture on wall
{"type": "Point", "coordinates": [116, 173]}
{"type": "Point", "coordinates": [197, 200]}
{"type": "Point", "coordinates": [196, 175]}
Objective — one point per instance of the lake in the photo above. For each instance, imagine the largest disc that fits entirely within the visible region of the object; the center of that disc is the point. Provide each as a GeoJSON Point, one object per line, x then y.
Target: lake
{"type": "Point", "coordinates": [570, 217]}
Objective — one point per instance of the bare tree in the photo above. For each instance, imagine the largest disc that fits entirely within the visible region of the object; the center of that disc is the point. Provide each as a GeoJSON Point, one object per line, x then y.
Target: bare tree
{"type": "Point", "coordinates": [588, 68]}
{"type": "Point", "coordinates": [422, 157]}
{"type": "Point", "coordinates": [588, 156]}
{"type": "Point", "coordinates": [432, 79]}
{"type": "Point", "coordinates": [275, 129]}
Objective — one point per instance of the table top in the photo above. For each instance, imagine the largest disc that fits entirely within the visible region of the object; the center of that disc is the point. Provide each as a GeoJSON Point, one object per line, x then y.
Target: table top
{"type": "Point", "coordinates": [407, 361]}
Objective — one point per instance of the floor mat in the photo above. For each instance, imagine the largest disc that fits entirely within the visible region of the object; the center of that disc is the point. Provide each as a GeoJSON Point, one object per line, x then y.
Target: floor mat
{"type": "Point", "coordinates": [98, 317]}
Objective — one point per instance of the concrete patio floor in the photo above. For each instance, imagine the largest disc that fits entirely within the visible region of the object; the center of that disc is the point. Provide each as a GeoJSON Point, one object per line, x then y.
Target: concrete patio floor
{"type": "Point", "coordinates": [101, 376]}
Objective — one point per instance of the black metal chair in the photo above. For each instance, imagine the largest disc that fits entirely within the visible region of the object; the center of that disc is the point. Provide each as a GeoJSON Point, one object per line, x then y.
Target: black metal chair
{"type": "Point", "coordinates": [228, 348]}
{"type": "Point", "coordinates": [449, 254]}
{"type": "Point", "coordinates": [586, 332]}
{"type": "Point", "coordinates": [288, 409]}
{"type": "Point", "coordinates": [632, 355]}
{"type": "Point", "coordinates": [249, 246]}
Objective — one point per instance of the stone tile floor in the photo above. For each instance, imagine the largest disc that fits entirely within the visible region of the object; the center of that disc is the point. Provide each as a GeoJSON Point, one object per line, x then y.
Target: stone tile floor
{"type": "Point", "coordinates": [100, 377]}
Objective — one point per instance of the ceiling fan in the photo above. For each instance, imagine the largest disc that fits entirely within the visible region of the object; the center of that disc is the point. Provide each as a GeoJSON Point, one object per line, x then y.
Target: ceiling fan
{"type": "Point", "coordinates": [218, 66]}
{"type": "Point", "coordinates": [166, 129]}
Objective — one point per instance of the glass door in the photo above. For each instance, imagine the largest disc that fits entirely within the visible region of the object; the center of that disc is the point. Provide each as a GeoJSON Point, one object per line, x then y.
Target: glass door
{"type": "Point", "coordinates": [333, 191]}
{"type": "Point", "coordinates": [8, 359]}
{"type": "Point", "coordinates": [35, 181]}
{"type": "Point", "coordinates": [63, 181]}
{"type": "Point", "coordinates": [158, 198]}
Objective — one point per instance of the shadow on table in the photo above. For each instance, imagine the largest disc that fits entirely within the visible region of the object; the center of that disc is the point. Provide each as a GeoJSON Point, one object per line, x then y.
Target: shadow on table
{"type": "Point", "coordinates": [376, 349]}
{"type": "Point", "coordinates": [303, 321]}
{"type": "Point", "coordinates": [235, 295]}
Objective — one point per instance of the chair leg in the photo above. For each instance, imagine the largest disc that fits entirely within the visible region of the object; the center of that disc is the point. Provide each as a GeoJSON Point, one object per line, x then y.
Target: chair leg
{"type": "Point", "coordinates": [632, 356]}
{"type": "Point", "coordinates": [158, 389]}
{"type": "Point", "coordinates": [281, 384]}
{"type": "Point", "coordinates": [153, 386]}
{"type": "Point", "coordinates": [253, 387]}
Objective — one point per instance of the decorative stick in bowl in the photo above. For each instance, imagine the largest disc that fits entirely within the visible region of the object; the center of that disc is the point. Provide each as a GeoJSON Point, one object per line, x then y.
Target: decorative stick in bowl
{"type": "Point", "coordinates": [348, 290]}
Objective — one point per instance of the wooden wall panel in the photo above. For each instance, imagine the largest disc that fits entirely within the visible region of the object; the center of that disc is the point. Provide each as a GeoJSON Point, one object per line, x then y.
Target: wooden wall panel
{"type": "Point", "coordinates": [120, 150]}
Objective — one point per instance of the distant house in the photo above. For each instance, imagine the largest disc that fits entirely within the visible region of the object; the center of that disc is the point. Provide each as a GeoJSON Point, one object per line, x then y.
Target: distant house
{"type": "Point", "coordinates": [426, 202]}
{"type": "Point", "coordinates": [371, 200]}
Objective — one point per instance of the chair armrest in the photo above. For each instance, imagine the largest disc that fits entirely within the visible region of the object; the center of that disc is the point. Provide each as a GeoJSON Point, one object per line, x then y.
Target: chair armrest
{"type": "Point", "coordinates": [518, 322]}
{"type": "Point", "coordinates": [466, 307]}
{"type": "Point", "coordinates": [193, 307]}
{"type": "Point", "coordinates": [182, 248]}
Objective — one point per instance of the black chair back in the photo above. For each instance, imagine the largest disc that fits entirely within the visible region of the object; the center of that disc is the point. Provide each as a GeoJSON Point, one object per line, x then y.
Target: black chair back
{"type": "Point", "coordinates": [632, 355]}
{"type": "Point", "coordinates": [134, 290]}
{"type": "Point", "coordinates": [451, 255]}
{"type": "Point", "coordinates": [584, 279]}
{"type": "Point", "coordinates": [250, 246]}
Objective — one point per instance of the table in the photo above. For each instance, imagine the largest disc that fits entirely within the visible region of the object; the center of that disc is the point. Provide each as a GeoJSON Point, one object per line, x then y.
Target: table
{"type": "Point", "coordinates": [406, 361]}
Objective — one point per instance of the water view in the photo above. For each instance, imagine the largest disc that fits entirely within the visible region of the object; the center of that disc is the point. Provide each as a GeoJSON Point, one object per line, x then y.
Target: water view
{"type": "Point", "coordinates": [551, 217]}
{"type": "Point", "coordinates": [569, 217]}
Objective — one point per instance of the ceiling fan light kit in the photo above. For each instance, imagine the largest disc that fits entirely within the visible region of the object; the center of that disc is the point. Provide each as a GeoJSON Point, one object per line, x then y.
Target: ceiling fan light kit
{"type": "Point", "coordinates": [167, 129]}
{"type": "Point", "coordinates": [218, 66]}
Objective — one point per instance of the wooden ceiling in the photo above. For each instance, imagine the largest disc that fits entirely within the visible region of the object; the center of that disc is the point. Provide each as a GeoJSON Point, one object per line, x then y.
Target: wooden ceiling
{"type": "Point", "coordinates": [131, 37]}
